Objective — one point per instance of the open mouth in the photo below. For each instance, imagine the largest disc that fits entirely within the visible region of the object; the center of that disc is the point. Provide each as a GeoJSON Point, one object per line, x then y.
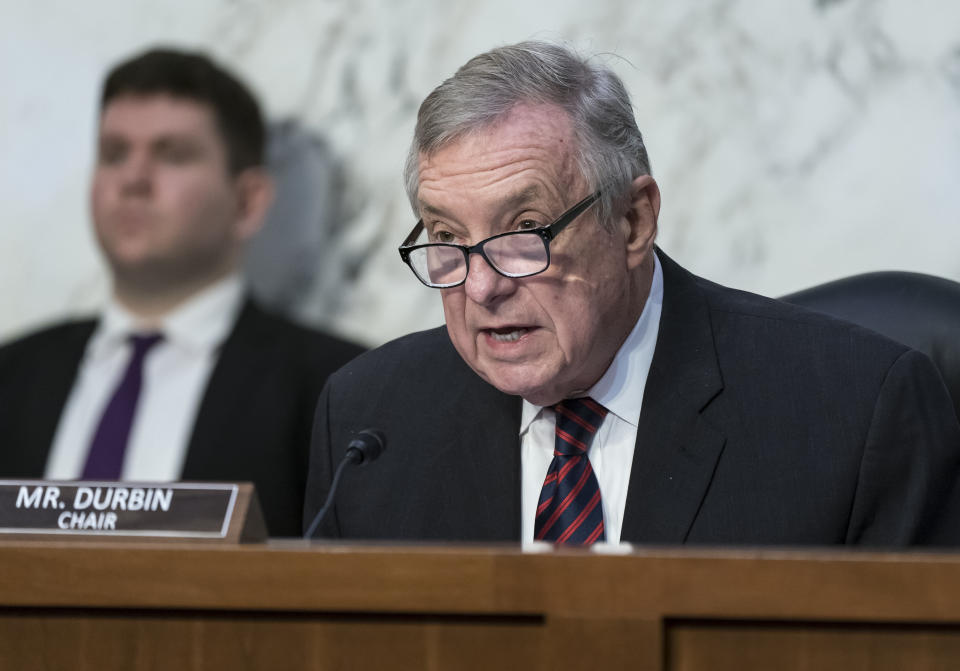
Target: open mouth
{"type": "Point", "coordinates": [508, 333]}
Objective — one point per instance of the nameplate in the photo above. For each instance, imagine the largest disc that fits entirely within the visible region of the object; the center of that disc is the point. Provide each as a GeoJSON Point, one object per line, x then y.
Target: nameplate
{"type": "Point", "coordinates": [198, 511]}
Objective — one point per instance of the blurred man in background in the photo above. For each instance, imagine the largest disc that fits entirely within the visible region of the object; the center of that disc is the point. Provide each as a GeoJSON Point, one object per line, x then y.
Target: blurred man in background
{"type": "Point", "coordinates": [182, 376]}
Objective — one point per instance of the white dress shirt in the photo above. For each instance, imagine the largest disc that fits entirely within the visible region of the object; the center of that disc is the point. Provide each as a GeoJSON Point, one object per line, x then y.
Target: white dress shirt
{"type": "Point", "coordinates": [620, 391]}
{"type": "Point", "coordinates": [175, 376]}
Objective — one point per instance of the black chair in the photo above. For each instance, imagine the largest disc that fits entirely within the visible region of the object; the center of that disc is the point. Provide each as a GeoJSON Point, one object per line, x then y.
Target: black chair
{"type": "Point", "coordinates": [920, 311]}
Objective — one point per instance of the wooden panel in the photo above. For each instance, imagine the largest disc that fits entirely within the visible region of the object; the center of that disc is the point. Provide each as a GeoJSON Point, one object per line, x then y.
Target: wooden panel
{"type": "Point", "coordinates": [209, 641]}
{"type": "Point", "coordinates": [735, 646]}
{"type": "Point", "coordinates": [332, 606]}
{"type": "Point", "coordinates": [643, 584]}
{"type": "Point", "coordinates": [610, 644]}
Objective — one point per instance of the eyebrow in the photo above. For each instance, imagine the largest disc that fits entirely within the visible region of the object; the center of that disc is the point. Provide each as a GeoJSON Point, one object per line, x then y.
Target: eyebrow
{"type": "Point", "coordinates": [511, 202]}
{"type": "Point", "coordinates": [163, 137]}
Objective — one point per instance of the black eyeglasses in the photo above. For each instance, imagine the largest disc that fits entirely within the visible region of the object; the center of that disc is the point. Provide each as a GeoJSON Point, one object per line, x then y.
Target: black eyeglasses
{"type": "Point", "coordinates": [515, 254]}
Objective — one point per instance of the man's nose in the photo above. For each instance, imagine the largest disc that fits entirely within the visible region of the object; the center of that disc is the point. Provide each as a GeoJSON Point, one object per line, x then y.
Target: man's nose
{"type": "Point", "coordinates": [484, 285]}
{"type": "Point", "coordinates": [136, 174]}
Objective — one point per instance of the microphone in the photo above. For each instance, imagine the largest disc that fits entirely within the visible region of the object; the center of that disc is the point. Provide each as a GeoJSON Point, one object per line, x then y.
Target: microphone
{"type": "Point", "coordinates": [366, 447]}
{"type": "Point", "coordinates": [363, 449]}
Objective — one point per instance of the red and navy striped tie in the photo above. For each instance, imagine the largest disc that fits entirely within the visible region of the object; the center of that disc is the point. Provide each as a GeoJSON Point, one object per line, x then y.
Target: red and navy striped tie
{"type": "Point", "coordinates": [569, 510]}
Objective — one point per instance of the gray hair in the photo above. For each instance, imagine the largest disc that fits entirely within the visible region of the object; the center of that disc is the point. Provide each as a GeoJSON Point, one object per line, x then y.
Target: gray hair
{"type": "Point", "coordinates": [609, 148]}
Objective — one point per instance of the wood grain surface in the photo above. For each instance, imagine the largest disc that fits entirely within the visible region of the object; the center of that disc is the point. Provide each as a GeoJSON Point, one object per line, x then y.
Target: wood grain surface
{"type": "Point", "coordinates": [328, 606]}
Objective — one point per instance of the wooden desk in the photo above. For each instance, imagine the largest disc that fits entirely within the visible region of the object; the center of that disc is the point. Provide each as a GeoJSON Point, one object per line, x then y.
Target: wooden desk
{"type": "Point", "coordinates": [298, 606]}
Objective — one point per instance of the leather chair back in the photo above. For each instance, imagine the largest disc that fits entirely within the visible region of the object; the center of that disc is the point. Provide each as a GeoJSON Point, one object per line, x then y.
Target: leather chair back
{"type": "Point", "coordinates": [920, 311]}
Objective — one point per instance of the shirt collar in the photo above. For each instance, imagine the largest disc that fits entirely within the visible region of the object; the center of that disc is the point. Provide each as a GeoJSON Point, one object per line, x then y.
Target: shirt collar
{"type": "Point", "coordinates": [200, 323]}
{"type": "Point", "coordinates": [620, 389]}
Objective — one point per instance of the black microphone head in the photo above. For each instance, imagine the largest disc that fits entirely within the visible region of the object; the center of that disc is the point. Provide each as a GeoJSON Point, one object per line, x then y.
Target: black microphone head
{"type": "Point", "coordinates": [367, 446]}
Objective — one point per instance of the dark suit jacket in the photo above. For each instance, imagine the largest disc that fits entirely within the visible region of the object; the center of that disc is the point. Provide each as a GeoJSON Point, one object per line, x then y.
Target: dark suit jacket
{"type": "Point", "coordinates": [762, 423]}
{"type": "Point", "coordinates": [253, 423]}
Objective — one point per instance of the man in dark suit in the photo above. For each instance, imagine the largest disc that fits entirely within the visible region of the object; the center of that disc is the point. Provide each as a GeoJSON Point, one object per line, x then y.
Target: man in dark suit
{"type": "Point", "coordinates": [221, 389]}
{"type": "Point", "coordinates": [585, 386]}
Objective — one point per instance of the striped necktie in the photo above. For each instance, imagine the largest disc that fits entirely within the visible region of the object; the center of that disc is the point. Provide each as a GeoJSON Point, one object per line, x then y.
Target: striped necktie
{"type": "Point", "coordinates": [569, 510]}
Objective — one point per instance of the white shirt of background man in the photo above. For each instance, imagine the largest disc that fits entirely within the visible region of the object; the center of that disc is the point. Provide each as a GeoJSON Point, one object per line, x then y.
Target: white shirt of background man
{"type": "Point", "coordinates": [175, 376]}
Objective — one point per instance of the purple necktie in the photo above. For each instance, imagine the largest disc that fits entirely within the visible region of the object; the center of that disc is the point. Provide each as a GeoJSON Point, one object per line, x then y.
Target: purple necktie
{"type": "Point", "coordinates": [105, 459]}
{"type": "Point", "coordinates": [570, 510]}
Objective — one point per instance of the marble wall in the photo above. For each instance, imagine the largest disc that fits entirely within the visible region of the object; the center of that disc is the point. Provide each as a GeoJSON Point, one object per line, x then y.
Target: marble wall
{"type": "Point", "coordinates": [794, 142]}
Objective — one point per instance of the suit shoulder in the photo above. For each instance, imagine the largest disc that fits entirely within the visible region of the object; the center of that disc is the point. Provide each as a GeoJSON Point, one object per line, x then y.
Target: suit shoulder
{"type": "Point", "coordinates": [407, 356]}
{"type": "Point", "coordinates": [296, 339]}
{"type": "Point", "coordinates": [45, 338]}
{"type": "Point", "coordinates": [411, 381]}
{"type": "Point", "coordinates": [732, 308]}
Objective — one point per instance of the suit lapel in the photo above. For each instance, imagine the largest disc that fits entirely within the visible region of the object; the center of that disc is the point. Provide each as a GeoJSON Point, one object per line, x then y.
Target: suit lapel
{"type": "Point", "coordinates": [49, 402]}
{"type": "Point", "coordinates": [240, 360]}
{"type": "Point", "coordinates": [677, 450]}
{"type": "Point", "coordinates": [495, 461]}
{"type": "Point", "coordinates": [480, 465]}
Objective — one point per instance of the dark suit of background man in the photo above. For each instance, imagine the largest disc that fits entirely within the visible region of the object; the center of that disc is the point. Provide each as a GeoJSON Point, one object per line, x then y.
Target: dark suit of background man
{"type": "Point", "coordinates": [732, 418]}
{"type": "Point", "coordinates": [228, 394]}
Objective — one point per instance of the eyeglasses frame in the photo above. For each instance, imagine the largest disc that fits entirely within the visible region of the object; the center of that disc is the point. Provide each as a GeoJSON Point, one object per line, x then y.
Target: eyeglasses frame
{"type": "Point", "coordinates": [546, 233]}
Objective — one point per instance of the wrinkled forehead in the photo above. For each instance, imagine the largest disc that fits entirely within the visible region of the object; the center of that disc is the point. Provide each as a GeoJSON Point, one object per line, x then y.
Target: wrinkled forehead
{"type": "Point", "coordinates": [534, 143]}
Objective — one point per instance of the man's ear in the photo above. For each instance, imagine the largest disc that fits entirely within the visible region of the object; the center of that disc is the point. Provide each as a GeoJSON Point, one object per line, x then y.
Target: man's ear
{"type": "Point", "coordinates": [255, 191]}
{"type": "Point", "coordinates": [641, 219]}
